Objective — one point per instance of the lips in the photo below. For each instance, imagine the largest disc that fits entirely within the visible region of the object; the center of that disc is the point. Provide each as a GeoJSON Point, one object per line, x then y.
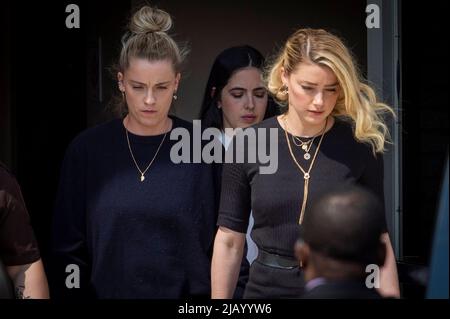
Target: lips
{"type": "Point", "coordinates": [148, 112]}
{"type": "Point", "coordinates": [248, 118]}
{"type": "Point", "coordinates": [315, 112]}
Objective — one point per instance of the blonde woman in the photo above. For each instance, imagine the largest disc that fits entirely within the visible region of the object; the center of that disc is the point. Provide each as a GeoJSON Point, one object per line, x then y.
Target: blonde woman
{"type": "Point", "coordinates": [129, 222]}
{"type": "Point", "coordinates": [331, 134]}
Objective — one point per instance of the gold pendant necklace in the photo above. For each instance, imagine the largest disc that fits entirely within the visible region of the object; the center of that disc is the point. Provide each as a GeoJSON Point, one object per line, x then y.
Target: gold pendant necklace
{"type": "Point", "coordinates": [306, 146]}
{"type": "Point", "coordinates": [142, 177]}
{"type": "Point", "coordinates": [306, 174]}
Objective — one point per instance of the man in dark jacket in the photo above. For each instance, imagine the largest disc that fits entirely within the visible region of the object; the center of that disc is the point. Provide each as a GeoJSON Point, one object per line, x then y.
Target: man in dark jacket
{"type": "Point", "coordinates": [340, 246]}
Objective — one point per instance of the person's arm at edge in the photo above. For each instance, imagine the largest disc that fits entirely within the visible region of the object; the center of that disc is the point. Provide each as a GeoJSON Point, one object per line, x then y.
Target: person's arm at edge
{"type": "Point", "coordinates": [389, 285]}
{"type": "Point", "coordinates": [226, 261]}
{"type": "Point", "coordinates": [29, 280]}
{"type": "Point", "coordinates": [373, 179]}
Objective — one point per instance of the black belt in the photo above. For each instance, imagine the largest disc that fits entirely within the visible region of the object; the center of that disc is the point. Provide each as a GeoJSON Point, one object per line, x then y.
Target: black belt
{"type": "Point", "coordinates": [276, 261]}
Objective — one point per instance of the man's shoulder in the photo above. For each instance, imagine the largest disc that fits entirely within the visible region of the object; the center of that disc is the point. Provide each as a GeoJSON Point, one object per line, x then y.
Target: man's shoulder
{"type": "Point", "coordinates": [342, 290]}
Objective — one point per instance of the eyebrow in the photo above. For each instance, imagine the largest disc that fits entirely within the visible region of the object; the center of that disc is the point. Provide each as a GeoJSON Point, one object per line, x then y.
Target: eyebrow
{"type": "Point", "coordinates": [315, 84]}
{"type": "Point", "coordinates": [244, 89]}
{"type": "Point", "coordinates": [160, 83]}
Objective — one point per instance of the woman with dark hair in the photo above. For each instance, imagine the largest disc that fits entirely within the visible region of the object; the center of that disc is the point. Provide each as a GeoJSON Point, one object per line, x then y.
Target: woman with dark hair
{"type": "Point", "coordinates": [236, 97]}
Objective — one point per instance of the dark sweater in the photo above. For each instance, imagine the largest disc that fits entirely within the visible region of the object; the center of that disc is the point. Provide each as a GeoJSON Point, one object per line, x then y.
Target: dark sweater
{"type": "Point", "coordinates": [134, 239]}
{"type": "Point", "coordinates": [276, 199]}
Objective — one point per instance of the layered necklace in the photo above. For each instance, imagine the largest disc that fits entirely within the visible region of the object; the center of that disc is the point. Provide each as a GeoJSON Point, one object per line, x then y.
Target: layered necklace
{"type": "Point", "coordinates": [142, 172]}
{"type": "Point", "coordinates": [306, 146]}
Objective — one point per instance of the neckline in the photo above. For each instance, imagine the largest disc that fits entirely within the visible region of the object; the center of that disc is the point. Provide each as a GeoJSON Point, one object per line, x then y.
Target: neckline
{"type": "Point", "coordinates": [326, 132]}
{"type": "Point", "coordinates": [146, 139]}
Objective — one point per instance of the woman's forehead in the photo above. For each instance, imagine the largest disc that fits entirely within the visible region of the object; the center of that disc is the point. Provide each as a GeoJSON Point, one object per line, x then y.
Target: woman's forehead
{"type": "Point", "coordinates": [314, 74]}
{"type": "Point", "coordinates": [144, 70]}
{"type": "Point", "coordinates": [245, 77]}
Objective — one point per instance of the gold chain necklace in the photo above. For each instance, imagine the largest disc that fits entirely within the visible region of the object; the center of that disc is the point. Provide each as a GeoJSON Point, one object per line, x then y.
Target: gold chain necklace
{"type": "Point", "coordinates": [134, 160]}
{"type": "Point", "coordinates": [306, 174]}
{"type": "Point", "coordinates": [300, 143]}
{"type": "Point", "coordinates": [306, 145]}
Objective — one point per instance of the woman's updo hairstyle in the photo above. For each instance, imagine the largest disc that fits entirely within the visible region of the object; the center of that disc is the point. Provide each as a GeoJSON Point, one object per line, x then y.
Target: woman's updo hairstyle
{"type": "Point", "coordinates": [147, 38]}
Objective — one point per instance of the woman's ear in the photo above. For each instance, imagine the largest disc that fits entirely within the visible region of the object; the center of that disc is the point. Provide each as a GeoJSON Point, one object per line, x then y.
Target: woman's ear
{"type": "Point", "coordinates": [120, 81]}
{"type": "Point", "coordinates": [284, 76]}
{"type": "Point", "coordinates": [213, 93]}
{"type": "Point", "coordinates": [177, 80]}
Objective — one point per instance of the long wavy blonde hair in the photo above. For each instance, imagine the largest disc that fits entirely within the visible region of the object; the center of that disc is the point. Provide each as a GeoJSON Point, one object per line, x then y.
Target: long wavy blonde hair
{"type": "Point", "coordinates": [357, 100]}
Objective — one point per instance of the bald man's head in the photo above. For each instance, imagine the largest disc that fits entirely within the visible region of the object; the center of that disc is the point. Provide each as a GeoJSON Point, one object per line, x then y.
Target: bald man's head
{"type": "Point", "coordinates": [345, 224]}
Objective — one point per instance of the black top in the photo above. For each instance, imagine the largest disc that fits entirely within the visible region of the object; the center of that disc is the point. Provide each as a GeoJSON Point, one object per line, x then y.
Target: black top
{"type": "Point", "coordinates": [276, 199]}
{"type": "Point", "coordinates": [134, 239]}
{"type": "Point", "coordinates": [18, 245]}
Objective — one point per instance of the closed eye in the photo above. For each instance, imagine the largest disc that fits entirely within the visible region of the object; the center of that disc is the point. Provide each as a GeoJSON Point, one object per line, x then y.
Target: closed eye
{"type": "Point", "coordinates": [259, 93]}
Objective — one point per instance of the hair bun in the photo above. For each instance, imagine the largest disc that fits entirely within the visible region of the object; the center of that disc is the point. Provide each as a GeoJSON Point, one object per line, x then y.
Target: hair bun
{"type": "Point", "coordinates": [148, 19]}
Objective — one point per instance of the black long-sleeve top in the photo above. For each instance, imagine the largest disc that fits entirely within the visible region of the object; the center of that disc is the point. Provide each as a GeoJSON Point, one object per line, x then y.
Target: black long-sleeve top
{"type": "Point", "coordinates": [133, 239]}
